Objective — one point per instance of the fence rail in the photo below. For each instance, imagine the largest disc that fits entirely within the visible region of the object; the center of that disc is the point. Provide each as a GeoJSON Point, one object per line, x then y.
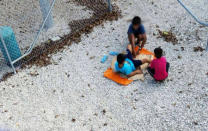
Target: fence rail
{"type": "Point", "coordinates": [194, 16]}
{"type": "Point", "coordinates": [46, 17]}
{"type": "Point", "coordinates": [37, 36]}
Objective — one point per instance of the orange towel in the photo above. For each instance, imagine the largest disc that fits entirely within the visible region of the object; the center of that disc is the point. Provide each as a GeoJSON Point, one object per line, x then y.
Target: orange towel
{"type": "Point", "coordinates": [116, 76]}
{"type": "Point", "coordinates": [144, 51]}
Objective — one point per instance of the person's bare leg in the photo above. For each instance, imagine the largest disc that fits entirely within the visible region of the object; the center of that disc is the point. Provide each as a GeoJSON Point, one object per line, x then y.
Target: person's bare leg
{"type": "Point", "coordinates": [138, 68]}
{"type": "Point", "coordinates": [145, 61]}
{"type": "Point", "coordinates": [141, 42]}
{"type": "Point", "coordinates": [139, 71]}
{"type": "Point", "coordinates": [142, 38]}
{"type": "Point", "coordinates": [129, 47]}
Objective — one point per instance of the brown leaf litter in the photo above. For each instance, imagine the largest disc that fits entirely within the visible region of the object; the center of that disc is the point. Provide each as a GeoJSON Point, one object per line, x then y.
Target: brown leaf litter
{"type": "Point", "coordinates": [40, 55]}
{"type": "Point", "coordinates": [6, 76]}
{"type": "Point", "coordinates": [78, 27]}
{"type": "Point", "coordinates": [168, 36]}
{"type": "Point", "coordinates": [73, 120]}
{"type": "Point", "coordinates": [198, 48]}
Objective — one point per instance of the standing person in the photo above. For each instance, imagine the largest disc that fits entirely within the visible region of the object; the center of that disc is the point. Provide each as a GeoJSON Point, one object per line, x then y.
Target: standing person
{"type": "Point", "coordinates": [136, 35]}
{"type": "Point", "coordinates": [159, 67]}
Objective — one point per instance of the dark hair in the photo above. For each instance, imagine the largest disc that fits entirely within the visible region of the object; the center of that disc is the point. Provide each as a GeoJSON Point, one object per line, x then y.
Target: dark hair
{"type": "Point", "coordinates": [136, 20]}
{"type": "Point", "coordinates": [120, 58]}
{"type": "Point", "coordinates": [158, 52]}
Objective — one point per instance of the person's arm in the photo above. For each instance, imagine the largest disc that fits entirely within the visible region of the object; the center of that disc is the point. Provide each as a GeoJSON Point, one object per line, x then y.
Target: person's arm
{"type": "Point", "coordinates": [132, 40]}
{"type": "Point", "coordinates": [134, 73]}
{"type": "Point", "coordinates": [144, 36]}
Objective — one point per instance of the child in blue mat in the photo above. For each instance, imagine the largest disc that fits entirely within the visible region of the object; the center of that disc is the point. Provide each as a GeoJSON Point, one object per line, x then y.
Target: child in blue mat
{"type": "Point", "coordinates": [127, 65]}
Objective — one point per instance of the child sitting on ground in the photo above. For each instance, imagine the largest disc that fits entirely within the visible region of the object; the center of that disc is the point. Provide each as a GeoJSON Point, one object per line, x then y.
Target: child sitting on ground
{"type": "Point", "coordinates": [159, 67]}
{"type": "Point", "coordinates": [127, 65]}
{"type": "Point", "coordinates": [137, 32]}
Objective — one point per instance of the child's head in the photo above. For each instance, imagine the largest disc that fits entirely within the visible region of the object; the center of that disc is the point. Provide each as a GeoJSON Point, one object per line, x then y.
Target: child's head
{"type": "Point", "coordinates": [121, 60]}
{"type": "Point", "coordinates": [158, 52]}
{"type": "Point", "coordinates": [136, 22]}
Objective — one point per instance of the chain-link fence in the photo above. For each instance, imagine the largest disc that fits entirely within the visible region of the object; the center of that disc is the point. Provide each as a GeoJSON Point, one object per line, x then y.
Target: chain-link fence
{"type": "Point", "coordinates": [22, 19]}
{"type": "Point", "coordinates": [38, 24]}
{"type": "Point", "coordinates": [9, 47]}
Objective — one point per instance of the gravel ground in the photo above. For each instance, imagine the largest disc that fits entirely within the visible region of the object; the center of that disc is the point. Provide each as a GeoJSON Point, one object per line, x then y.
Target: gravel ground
{"type": "Point", "coordinates": [72, 94]}
{"type": "Point", "coordinates": [198, 7]}
{"type": "Point", "coordinates": [25, 18]}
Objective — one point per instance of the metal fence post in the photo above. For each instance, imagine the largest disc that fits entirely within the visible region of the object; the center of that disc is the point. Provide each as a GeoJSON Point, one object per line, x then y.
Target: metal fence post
{"type": "Point", "coordinates": [45, 8]}
{"type": "Point", "coordinates": [109, 6]}
{"type": "Point", "coordinates": [37, 36]}
{"type": "Point", "coordinates": [8, 55]}
{"type": "Point", "coordinates": [207, 45]}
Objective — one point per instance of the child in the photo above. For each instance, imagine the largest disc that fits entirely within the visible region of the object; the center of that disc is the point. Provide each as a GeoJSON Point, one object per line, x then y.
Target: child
{"type": "Point", "coordinates": [126, 65]}
{"type": "Point", "coordinates": [159, 67]}
{"type": "Point", "coordinates": [136, 31]}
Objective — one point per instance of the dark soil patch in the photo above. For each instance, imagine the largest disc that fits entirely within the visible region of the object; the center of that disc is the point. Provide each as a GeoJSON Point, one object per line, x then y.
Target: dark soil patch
{"type": "Point", "coordinates": [198, 48]}
{"type": "Point", "coordinates": [40, 54]}
{"type": "Point", "coordinates": [6, 76]}
{"type": "Point", "coordinates": [168, 36]}
{"type": "Point", "coordinates": [73, 120]}
{"type": "Point", "coordinates": [195, 123]}
{"type": "Point", "coordinates": [104, 111]}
